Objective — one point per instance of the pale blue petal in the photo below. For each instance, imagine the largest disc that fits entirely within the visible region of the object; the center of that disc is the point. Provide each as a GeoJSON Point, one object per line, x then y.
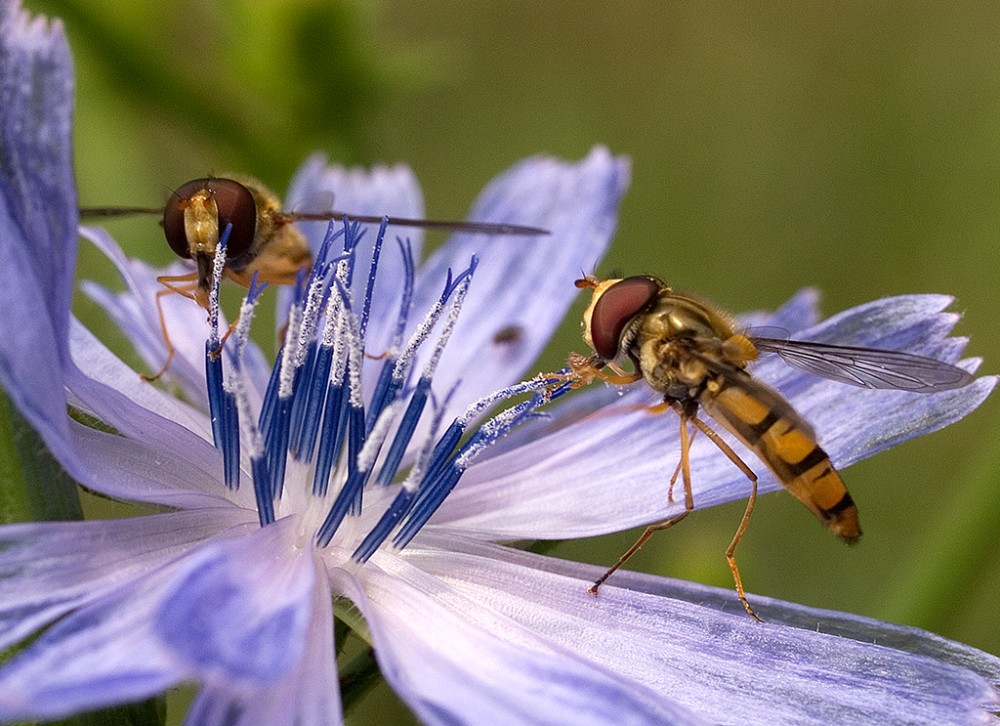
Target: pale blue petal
{"type": "Point", "coordinates": [380, 191]}
{"type": "Point", "coordinates": [718, 663]}
{"type": "Point", "coordinates": [136, 314]}
{"type": "Point", "coordinates": [37, 189]}
{"type": "Point", "coordinates": [52, 568]}
{"type": "Point", "coordinates": [37, 221]}
{"type": "Point", "coordinates": [456, 661]}
{"type": "Point", "coordinates": [104, 649]}
{"type": "Point", "coordinates": [237, 611]}
{"type": "Point", "coordinates": [523, 285]}
{"type": "Point", "coordinates": [112, 392]}
{"type": "Point", "coordinates": [799, 313]}
{"type": "Point", "coordinates": [147, 471]}
{"type": "Point", "coordinates": [846, 625]}
{"type": "Point", "coordinates": [227, 611]}
{"type": "Point", "coordinates": [307, 697]}
{"type": "Point", "coordinates": [99, 656]}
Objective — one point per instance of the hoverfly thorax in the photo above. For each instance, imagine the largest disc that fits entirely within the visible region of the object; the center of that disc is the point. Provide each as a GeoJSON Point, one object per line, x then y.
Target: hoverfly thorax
{"type": "Point", "coordinates": [665, 335]}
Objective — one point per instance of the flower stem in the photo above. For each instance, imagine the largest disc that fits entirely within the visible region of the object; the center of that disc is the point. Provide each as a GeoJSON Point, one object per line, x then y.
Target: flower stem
{"type": "Point", "coordinates": [951, 560]}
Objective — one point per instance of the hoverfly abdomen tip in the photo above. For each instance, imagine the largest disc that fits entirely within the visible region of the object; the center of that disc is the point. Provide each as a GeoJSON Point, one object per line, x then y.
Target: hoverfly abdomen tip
{"type": "Point", "coordinates": [846, 528]}
{"type": "Point", "coordinates": [842, 520]}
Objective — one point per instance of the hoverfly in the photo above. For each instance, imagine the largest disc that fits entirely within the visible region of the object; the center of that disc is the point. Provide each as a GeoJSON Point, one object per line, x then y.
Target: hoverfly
{"type": "Point", "coordinates": [263, 239]}
{"type": "Point", "coordinates": [690, 353]}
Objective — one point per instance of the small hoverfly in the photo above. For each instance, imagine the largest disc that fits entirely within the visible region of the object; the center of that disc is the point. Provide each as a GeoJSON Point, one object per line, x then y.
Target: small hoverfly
{"type": "Point", "coordinates": [691, 353]}
{"type": "Point", "coordinates": [263, 238]}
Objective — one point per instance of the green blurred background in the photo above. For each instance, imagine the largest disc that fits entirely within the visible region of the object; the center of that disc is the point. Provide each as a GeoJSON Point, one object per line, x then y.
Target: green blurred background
{"type": "Point", "coordinates": [854, 147]}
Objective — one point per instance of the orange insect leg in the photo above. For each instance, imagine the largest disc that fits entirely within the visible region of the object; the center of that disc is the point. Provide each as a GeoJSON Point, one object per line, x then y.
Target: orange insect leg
{"type": "Point", "coordinates": [684, 467]}
{"type": "Point", "coordinates": [187, 289]}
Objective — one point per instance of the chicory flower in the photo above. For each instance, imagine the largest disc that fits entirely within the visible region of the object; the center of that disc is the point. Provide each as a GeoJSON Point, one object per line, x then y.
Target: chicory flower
{"type": "Point", "coordinates": [219, 590]}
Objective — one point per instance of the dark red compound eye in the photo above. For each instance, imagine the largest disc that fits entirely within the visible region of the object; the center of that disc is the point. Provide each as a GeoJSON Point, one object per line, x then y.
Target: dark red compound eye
{"type": "Point", "coordinates": [236, 206]}
{"type": "Point", "coordinates": [616, 307]}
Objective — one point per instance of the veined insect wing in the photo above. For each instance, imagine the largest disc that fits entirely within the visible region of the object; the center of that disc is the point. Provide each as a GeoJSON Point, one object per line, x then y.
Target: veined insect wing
{"type": "Point", "coordinates": [867, 367]}
{"type": "Point", "coordinates": [488, 228]}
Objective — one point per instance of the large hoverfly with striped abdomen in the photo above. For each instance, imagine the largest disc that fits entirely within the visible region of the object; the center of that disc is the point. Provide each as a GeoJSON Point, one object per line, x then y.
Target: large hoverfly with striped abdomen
{"type": "Point", "coordinates": [263, 239]}
{"type": "Point", "coordinates": [693, 356]}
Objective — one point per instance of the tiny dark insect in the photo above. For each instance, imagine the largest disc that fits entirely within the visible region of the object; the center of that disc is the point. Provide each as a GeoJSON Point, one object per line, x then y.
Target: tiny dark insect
{"type": "Point", "coordinates": [509, 334]}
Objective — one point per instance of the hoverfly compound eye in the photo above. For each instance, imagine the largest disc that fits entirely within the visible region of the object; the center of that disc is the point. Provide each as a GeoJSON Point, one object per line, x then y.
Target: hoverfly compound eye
{"type": "Point", "coordinates": [616, 307]}
{"type": "Point", "coordinates": [238, 207]}
{"type": "Point", "coordinates": [235, 203]}
{"type": "Point", "coordinates": [173, 221]}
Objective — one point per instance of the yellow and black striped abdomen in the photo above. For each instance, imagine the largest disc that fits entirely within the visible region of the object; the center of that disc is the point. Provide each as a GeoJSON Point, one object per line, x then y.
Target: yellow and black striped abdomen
{"type": "Point", "coordinates": [765, 422]}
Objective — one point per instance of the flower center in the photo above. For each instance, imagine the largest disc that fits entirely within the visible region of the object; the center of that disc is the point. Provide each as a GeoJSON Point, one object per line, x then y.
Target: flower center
{"type": "Point", "coordinates": [318, 437]}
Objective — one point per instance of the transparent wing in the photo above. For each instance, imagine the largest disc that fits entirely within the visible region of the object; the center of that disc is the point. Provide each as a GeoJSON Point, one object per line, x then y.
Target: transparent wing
{"type": "Point", "coordinates": [458, 226]}
{"type": "Point", "coordinates": [868, 367]}
{"type": "Point", "coordinates": [468, 227]}
{"type": "Point", "coordinates": [118, 211]}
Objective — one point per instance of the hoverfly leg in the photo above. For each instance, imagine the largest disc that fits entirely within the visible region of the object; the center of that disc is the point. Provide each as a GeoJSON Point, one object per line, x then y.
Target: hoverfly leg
{"type": "Point", "coordinates": [619, 377]}
{"type": "Point", "coordinates": [169, 288]}
{"type": "Point", "coordinates": [222, 341]}
{"type": "Point", "coordinates": [677, 471]}
{"type": "Point", "coordinates": [742, 528]}
{"type": "Point", "coordinates": [658, 409]}
{"type": "Point", "coordinates": [685, 468]}
{"type": "Point", "coordinates": [584, 370]}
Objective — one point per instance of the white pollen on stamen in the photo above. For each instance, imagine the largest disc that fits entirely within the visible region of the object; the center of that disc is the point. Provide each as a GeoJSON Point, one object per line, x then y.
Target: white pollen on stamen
{"type": "Point", "coordinates": [218, 266]}
{"type": "Point", "coordinates": [356, 353]}
{"type": "Point", "coordinates": [492, 430]}
{"type": "Point", "coordinates": [477, 408]}
{"type": "Point", "coordinates": [235, 383]}
{"type": "Point", "coordinates": [329, 337]}
{"type": "Point", "coordinates": [423, 331]}
{"type": "Point", "coordinates": [416, 474]}
{"type": "Point", "coordinates": [373, 442]}
{"type": "Point", "coordinates": [286, 375]}
{"type": "Point", "coordinates": [339, 368]}
{"type": "Point", "coordinates": [310, 316]}
{"type": "Point", "coordinates": [242, 332]}
{"type": "Point", "coordinates": [449, 328]}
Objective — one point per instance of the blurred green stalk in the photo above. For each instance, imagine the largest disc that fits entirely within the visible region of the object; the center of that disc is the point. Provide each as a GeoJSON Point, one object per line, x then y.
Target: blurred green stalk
{"type": "Point", "coordinates": [951, 560]}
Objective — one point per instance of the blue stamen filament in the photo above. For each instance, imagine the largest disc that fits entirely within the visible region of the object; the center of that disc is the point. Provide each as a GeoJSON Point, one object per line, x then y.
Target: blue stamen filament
{"type": "Point", "coordinates": [314, 408]}
{"type": "Point", "coordinates": [263, 490]}
{"type": "Point", "coordinates": [408, 491]}
{"type": "Point", "coordinates": [370, 290]}
{"type": "Point", "coordinates": [221, 404]}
